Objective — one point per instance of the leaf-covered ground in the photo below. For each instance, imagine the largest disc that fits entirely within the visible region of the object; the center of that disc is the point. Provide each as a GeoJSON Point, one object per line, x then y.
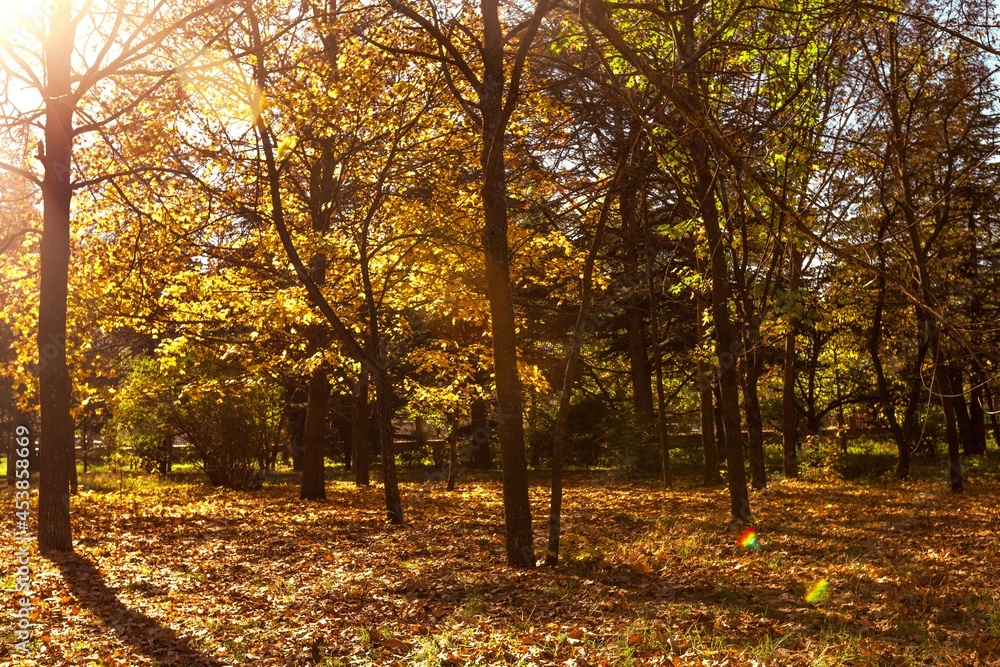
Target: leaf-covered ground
{"type": "Point", "coordinates": [181, 574]}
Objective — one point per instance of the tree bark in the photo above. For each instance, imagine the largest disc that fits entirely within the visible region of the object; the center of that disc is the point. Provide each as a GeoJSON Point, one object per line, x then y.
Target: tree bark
{"type": "Point", "coordinates": [360, 433]}
{"type": "Point", "coordinates": [55, 388]}
{"type": "Point", "coordinates": [517, 508]}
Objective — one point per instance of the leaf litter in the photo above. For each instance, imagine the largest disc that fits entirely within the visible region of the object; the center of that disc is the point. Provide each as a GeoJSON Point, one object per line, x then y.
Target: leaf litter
{"type": "Point", "coordinates": [182, 574]}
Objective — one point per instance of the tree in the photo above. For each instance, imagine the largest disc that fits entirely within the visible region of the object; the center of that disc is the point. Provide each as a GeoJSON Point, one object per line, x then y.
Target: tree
{"type": "Point", "coordinates": [131, 53]}
{"type": "Point", "coordinates": [498, 97]}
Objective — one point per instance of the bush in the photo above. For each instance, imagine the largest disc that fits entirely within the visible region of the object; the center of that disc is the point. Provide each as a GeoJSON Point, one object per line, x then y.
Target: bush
{"type": "Point", "coordinates": [230, 420]}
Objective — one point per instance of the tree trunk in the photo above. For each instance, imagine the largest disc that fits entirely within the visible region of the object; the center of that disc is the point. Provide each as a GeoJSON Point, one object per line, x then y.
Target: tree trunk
{"type": "Point", "coordinates": [296, 414]}
{"type": "Point", "coordinates": [962, 420]}
{"type": "Point", "coordinates": [383, 407]}
{"type": "Point", "coordinates": [314, 437]}
{"type": "Point", "coordinates": [636, 303]}
{"type": "Point", "coordinates": [580, 327]}
{"type": "Point", "coordinates": [720, 426]}
{"type": "Point", "coordinates": [949, 405]}
{"type": "Point", "coordinates": [886, 403]}
{"type": "Point", "coordinates": [74, 478]}
{"type": "Point", "coordinates": [452, 450]}
{"type": "Point", "coordinates": [710, 453]}
{"type": "Point", "coordinates": [994, 419]}
{"type": "Point", "coordinates": [517, 508]}
{"type": "Point", "coordinates": [789, 417]}
{"type": "Point", "coordinates": [977, 416]}
{"type": "Point", "coordinates": [661, 403]}
{"type": "Point", "coordinates": [360, 433]}
{"type": "Point", "coordinates": [727, 346]}
{"type": "Point", "coordinates": [55, 388]}
{"type": "Point", "coordinates": [751, 402]}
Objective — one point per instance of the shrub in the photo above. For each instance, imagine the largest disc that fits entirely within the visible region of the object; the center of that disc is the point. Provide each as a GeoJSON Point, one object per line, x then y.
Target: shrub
{"type": "Point", "coordinates": [229, 419]}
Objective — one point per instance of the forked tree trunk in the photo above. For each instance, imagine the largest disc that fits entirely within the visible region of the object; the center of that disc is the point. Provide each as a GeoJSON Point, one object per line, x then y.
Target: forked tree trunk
{"type": "Point", "coordinates": [54, 386]}
{"type": "Point", "coordinates": [886, 403]}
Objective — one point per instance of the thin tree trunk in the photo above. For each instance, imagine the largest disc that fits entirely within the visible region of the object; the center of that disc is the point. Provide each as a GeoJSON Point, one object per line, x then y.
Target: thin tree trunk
{"type": "Point", "coordinates": [314, 437]}
{"type": "Point", "coordinates": [636, 304]}
{"type": "Point", "coordinates": [962, 418]}
{"type": "Point", "coordinates": [55, 389]}
{"type": "Point", "coordinates": [948, 405]}
{"type": "Point", "coordinates": [86, 450]}
{"type": "Point", "coordinates": [710, 452]}
{"type": "Point", "coordinates": [751, 402]}
{"type": "Point", "coordinates": [727, 346]}
{"type": "Point", "coordinates": [452, 450]}
{"type": "Point", "coordinates": [789, 417]}
{"type": "Point", "coordinates": [977, 416]}
{"type": "Point", "coordinates": [360, 433]}
{"type": "Point", "coordinates": [661, 403]}
{"type": "Point", "coordinates": [720, 426]}
{"type": "Point", "coordinates": [994, 419]}
{"type": "Point", "coordinates": [580, 327]}
{"type": "Point", "coordinates": [74, 479]}
{"type": "Point", "coordinates": [881, 383]}
{"type": "Point", "coordinates": [383, 407]}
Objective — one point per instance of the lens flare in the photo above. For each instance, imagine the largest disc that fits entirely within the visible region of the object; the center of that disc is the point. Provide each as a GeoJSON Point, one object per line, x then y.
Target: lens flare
{"type": "Point", "coordinates": [748, 539]}
{"type": "Point", "coordinates": [818, 591]}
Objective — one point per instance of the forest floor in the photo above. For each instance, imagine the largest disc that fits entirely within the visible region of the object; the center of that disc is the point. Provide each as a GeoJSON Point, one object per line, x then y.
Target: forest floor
{"type": "Point", "coordinates": [178, 573]}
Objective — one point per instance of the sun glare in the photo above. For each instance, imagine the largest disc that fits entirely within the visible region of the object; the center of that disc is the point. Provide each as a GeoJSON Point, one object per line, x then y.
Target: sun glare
{"type": "Point", "coordinates": [20, 18]}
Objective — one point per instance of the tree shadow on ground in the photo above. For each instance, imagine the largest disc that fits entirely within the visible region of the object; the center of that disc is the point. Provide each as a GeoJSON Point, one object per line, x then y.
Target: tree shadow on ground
{"type": "Point", "coordinates": [131, 627]}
